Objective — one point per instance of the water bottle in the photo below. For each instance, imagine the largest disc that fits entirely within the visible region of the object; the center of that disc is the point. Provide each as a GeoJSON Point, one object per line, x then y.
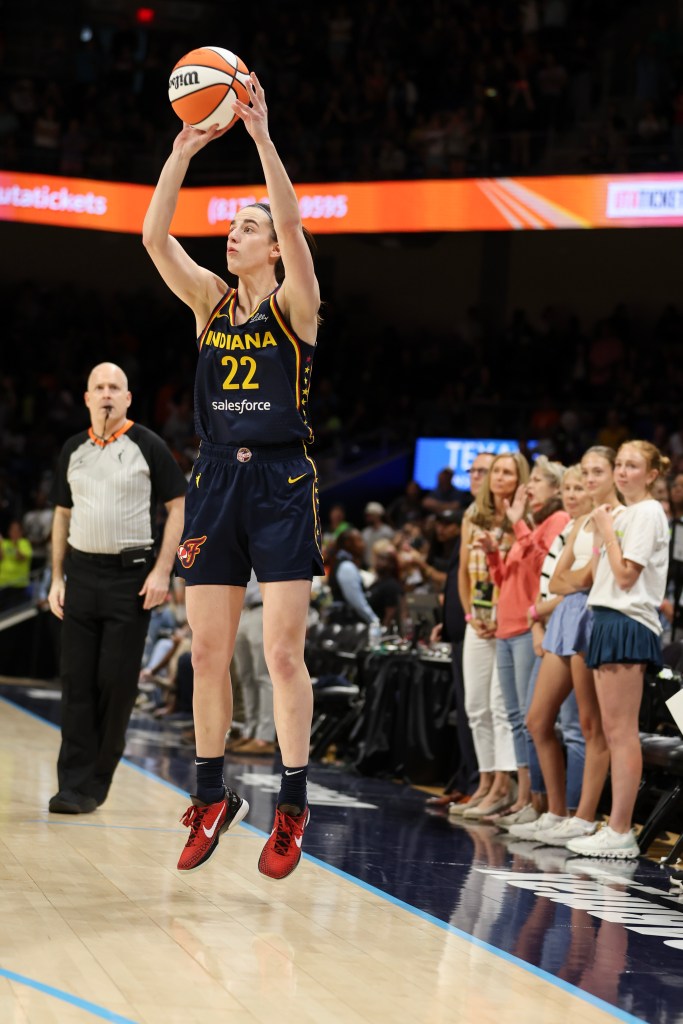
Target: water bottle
{"type": "Point", "coordinates": [374, 635]}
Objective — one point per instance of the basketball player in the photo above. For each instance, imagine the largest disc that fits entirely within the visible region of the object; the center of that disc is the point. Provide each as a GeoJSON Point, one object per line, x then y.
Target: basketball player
{"type": "Point", "coordinates": [253, 496]}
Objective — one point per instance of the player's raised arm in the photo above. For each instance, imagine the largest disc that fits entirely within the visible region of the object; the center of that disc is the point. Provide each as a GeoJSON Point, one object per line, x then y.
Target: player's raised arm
{"type": "Point", "coordinates": [199, 288]}
{"type": "Point", "coordinates": [300, 294]}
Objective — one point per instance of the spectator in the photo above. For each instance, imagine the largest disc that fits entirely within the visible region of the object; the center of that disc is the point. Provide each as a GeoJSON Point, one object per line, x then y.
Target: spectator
{"type": "Point", "coordinates": [563, 669]}
{"type": "Point", "coordinates": [15, 567]}
{"type": "Point", "coordinates": [517, 578]}
{"type": "Point", "coordinates": [408, 506]}
{"type": "Point", "coordinates": [37, 526]}
{"type": "Point", "coordinates": [346, 583]}
{"type": "Point", "coordinates": [444, 495]}
{"type": "Point", "coordinates": [336, 524]}
{"type": "Point", "coordinates": [165, 634]}
{"type": "Point", "coordinates": [385, 595]}
{"type": "Point", "coordinates": [411, 549]}
{"type": "Point", "coordinates": [252, 676]}
{"type": "Point", "coordinates": [630, 572]}
{"type": "Point", "coordinates": [484, 703]}
{"type": "Point", "coordinates": [676, 497]}
{"type": "Point", "coordinates": [376, 528]}
{"type": "Point", "coordinates": [437, 561]}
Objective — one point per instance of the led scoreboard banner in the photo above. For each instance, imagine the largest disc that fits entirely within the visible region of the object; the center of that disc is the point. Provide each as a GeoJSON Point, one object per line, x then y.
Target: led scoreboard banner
{"type": "Point", "coordinates": [473, 204]}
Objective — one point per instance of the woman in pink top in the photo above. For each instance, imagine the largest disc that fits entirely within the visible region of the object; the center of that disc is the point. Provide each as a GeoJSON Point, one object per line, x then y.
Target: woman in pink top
{"type": "Point", "coordinates": [518, 580]}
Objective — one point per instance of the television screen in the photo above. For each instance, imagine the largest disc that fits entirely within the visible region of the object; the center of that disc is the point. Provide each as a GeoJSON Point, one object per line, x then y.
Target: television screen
{"type": "Point", "coordinates": [433, 454]}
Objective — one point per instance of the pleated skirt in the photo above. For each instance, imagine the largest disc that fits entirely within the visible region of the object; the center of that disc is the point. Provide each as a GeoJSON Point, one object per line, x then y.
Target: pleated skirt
{"type": "Point", "coordinates": [617, 639]}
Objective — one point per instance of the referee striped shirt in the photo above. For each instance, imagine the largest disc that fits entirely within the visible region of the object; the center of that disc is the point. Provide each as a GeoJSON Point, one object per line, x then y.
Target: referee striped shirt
{"type": "Point", "coordinates": [112, 488]}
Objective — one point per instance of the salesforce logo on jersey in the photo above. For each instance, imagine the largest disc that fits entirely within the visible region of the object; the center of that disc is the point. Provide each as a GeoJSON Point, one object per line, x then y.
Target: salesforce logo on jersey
{"type": "Point", "coordinates": [432, 454]}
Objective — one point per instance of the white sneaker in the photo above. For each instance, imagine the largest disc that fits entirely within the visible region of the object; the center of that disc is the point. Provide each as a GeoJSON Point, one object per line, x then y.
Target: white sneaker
{"type": "Point", "coordinates": [530, 829]}
{"type": "Point", "coordinates": [606, 843]}
{"type": "Point", "coordinates": [564, 829]}
{"type": "Point", "coordinates": [520, 817]}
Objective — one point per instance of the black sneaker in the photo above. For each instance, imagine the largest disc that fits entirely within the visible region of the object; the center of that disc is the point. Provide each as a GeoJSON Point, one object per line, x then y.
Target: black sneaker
{"type": "Point", "coordinates": [68, 801]}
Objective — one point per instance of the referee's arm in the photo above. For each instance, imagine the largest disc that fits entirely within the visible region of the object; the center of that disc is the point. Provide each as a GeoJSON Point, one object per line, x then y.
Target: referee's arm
{"type": "Point", "coordinates": [60, 536]}
{"type": "Point", "coordinates": [155, 587]}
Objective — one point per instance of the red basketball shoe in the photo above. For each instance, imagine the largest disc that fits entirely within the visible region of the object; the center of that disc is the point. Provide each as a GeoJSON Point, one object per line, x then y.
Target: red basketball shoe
{"type": "Point", "coordinates": [282, 852]}
{"type": "Point", "coordinates": [206, 823]}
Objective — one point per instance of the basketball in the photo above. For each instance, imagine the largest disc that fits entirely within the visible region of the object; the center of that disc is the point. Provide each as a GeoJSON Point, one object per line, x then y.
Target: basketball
{"type": "Point", "coordinates": [204, 85]}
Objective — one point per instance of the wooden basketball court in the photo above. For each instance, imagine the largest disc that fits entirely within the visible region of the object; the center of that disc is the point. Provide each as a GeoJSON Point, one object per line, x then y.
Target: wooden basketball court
{"type": "Point", "coordinates": [97, 924]}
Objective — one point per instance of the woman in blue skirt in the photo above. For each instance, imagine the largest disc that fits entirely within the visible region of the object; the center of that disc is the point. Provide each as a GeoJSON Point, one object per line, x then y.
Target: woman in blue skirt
{"type": "Point", "coordinates": [630, 565]}
{"type": "Point", "coordinates": [564, 668]}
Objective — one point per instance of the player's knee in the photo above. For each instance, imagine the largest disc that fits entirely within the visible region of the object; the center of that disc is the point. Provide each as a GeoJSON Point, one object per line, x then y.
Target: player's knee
{"type": "Point", "coordinates": [284, 663]}
{"type": "Point", "coordinates": [206, 657]}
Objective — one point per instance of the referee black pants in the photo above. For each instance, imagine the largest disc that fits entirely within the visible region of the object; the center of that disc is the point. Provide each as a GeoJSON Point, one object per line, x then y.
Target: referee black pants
{"type": "Point", "coordinates": [103, 636]}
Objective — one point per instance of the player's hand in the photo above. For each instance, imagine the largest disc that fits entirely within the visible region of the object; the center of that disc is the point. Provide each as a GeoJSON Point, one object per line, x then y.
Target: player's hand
{"type": "Point", "coordinates": [190, 140]}
{"type": "Point", "coordinates": [56, 598]}
{"type": "Point", "coordinates": [255, 117]}
{"type": "Point", "coordinates": [154, 589]}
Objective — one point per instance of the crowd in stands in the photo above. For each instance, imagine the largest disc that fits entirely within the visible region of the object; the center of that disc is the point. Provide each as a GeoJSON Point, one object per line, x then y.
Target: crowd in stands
{"type": "Point", "coordinates": [381, 90]}
{"type": "Point", "coordinates": [561, 580]}
{"type": "Point", "coordinates": [606, 381]}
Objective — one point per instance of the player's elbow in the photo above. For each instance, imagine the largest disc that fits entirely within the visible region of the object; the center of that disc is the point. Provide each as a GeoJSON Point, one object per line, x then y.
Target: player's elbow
{"type": "Point", "coordinates": [154, 239]}
{"type": "Point", "coordinates": [150, 241]}
{"type": "Point", "coordinates": [290, 228]}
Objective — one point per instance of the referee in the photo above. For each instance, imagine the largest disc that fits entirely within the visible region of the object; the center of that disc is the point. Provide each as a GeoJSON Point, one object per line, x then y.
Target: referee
{"type": "Point", "coordinates": [106, 577]}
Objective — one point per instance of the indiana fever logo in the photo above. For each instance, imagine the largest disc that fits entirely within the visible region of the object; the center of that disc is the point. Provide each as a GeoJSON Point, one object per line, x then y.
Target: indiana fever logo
{"type": "Point", "coordinates": [188, 551]}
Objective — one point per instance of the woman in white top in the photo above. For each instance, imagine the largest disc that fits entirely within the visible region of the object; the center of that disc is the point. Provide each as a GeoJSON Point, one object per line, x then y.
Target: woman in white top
{"type": "Point", "coordinates": [564, 667]}
{"type": "Point", "coordinates": [630, 565]}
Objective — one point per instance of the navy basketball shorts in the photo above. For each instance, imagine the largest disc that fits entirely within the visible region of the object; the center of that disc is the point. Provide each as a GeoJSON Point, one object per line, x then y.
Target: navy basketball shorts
{"type": "Point", "coordinates": [250, 507]}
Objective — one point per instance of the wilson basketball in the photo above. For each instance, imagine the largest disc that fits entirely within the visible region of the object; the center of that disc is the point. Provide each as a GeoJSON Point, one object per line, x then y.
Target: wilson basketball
{"type": "Point", "coordinates": [204, 85]}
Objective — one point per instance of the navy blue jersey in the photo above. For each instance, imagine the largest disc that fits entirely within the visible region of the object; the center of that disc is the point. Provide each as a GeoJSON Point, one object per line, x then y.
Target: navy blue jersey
{"type": "Point", "coordinates": [253, 379]}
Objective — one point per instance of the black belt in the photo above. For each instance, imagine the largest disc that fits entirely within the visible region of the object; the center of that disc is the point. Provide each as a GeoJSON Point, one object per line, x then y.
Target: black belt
{"type": "Point", "coordinates": [128, 558]}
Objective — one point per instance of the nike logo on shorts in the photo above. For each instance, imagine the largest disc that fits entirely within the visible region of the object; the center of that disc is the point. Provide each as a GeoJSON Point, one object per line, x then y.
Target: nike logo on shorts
{"type": "Point", "coordinates": [293, 479]}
